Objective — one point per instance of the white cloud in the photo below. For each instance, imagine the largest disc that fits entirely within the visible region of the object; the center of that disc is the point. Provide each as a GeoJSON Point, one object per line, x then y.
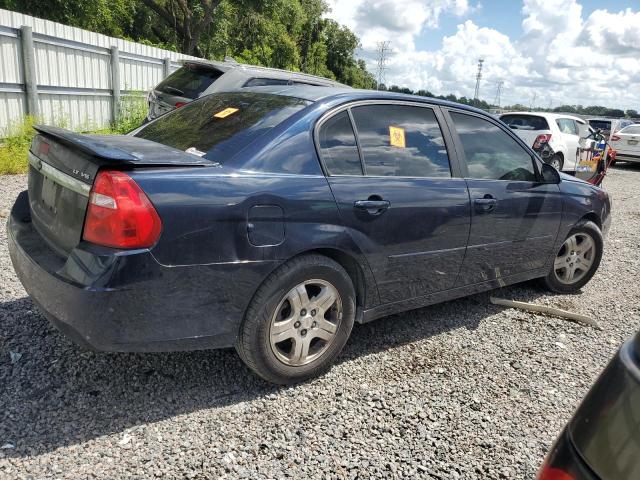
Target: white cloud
{"type": "Point", "coordinates": [561, 57]}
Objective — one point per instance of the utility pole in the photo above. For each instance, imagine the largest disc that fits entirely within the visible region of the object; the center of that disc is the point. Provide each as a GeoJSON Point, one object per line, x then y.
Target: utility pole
{"type": "Point", "coordinates": [498, 92]}
{"type": "Point", "coordinates": [476, 95]}
{"type": "Point", "coordinates": [384, 49]}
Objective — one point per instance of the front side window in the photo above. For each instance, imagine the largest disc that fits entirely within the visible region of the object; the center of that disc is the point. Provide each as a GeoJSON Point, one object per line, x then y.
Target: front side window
{"type": "Point", "coordinates": [566, 125]}
{"type": "Point", "coordinates": [490, 153]}
{"type": "Point", "coordinates": [338, 146]}
{"type": "Point", "coordinates": [401, 140]}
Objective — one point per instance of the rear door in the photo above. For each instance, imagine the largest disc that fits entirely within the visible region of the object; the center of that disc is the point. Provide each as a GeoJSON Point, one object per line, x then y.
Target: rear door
{"type": "Point", "coordinates": [397, 193]}
{"type": "Point", "coordinates": [514, 217]}
{"type": "Point", "coordinates": [571, 138]}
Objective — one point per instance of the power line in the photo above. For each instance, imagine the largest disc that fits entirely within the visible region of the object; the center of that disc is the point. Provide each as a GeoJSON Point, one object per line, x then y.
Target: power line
{"type": "Point", "coordinates": [478, 78]}
{"type": "Point", "coordinates": [383, 49]}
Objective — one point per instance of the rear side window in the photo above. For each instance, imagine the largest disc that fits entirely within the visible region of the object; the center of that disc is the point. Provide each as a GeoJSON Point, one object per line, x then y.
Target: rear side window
{"type": "Point", "coordinates": [525, 122]}
{"type": "Point", "coordinates": [566, 125]}
{"type": "Point", "coordinates": [338, 146]}
{"type": "Point", "coordinates": [401, 140]}
{"type": "Point", "coordinates": [189, 81]}
{"type": "Point", "coordinates": [262, 82]}
{"type": "Point", "coordinates": [218, 126]}
{"type": "Point", "coordinates": [490, 153]}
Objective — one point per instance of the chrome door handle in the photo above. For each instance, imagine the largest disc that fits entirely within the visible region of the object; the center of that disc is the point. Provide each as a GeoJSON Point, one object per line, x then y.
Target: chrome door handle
{"type": "Point", "coordinates": [374, 207]}
{"type": "Point", "coordinates": [486, 204]}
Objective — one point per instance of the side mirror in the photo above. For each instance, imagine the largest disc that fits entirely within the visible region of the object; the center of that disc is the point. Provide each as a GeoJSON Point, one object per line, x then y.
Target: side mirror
{"type": "Point", "coordinates": [549, 174]}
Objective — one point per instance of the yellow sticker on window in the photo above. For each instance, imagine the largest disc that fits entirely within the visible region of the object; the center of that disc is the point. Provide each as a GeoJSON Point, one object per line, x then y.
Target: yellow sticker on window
{"type": "Point", "coordinates": [396, 137]}
{"type": "Point", "coordinates": [226, 112]}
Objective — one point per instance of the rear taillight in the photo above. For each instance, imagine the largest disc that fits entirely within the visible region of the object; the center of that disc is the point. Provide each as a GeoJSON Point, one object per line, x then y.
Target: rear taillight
{"type": "Point", "coordinates": [180, 104]}
{"type": "Point", "coordinates": [540, 139]}
{"type": "Point", "coordinates": [614, 138]}
{"type": "Point", "coordinates": [550, 473]}
{"type": "Point", "coordinates": [119, 214]}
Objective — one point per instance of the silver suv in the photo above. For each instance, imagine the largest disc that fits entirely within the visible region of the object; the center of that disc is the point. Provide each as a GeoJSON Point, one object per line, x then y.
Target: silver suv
{"type": "Point", "coordinates": [201, 77]}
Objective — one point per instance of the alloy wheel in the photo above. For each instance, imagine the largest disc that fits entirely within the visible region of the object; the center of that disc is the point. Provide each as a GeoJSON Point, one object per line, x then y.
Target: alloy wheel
{"type": "Point", "coordinates": [305, 322]}
{"type": "Point", "coordinates": [575, 258]}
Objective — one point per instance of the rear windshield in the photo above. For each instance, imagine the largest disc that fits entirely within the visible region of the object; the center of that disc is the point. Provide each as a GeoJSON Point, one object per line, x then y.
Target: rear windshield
{"type": "Point", "coordinates": [219, 125]}
{"type": "Point", "coordinates": [525, 122]}
{"type": "Point", "coordinates": [600, 124]}
{"type": "Point", "coordinates": [189, 81]}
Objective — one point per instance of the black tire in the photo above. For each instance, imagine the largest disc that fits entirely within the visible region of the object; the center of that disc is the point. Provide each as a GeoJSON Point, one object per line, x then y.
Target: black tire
{"type": "Point", "coordinates": [552, 282]}
{"type": "Point", "coordinates": [253, 343]}
{"type": "Point", "coordinates": [556, 159]}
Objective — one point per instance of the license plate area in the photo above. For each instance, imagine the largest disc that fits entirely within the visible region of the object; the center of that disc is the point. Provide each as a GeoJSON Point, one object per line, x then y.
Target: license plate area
{"type": "Point", "coordinates": [632, 142]}
{"type": "Point", "coordinates": [49, 193]}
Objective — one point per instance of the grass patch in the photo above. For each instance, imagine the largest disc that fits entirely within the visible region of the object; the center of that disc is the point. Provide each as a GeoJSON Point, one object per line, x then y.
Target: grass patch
{"type": "Point", "coordinates": [14, 148]}
{"type": "Point", "coordinates": [15, 145]}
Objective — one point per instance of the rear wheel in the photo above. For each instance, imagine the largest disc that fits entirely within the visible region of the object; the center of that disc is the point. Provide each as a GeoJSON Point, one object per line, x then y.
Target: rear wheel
{"type": "Point", "coordinates": [577, 260]}
{"type": "Point", "coordinates": [298, 321]}
{"type": "Point", "coordinates": [556, 162]}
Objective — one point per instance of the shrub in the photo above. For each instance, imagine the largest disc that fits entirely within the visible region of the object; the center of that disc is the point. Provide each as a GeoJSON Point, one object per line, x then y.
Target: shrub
{"type": "Point", "coordinates": [14, 147]}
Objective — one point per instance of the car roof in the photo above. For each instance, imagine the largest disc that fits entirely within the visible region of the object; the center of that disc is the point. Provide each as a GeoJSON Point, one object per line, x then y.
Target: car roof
{"type": "Point", "coordinates": [230, 64]}
{"type": "Point", "coordinates": [321, 93]}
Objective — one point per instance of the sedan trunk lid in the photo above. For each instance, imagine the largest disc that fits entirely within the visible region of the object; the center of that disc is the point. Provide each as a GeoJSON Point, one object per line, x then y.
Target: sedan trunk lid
{"type": "Point", "coordinates": [63, 166]}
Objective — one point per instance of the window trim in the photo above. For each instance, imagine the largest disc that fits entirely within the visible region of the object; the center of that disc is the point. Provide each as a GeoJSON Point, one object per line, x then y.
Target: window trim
{"type": "Point", "coordinates": [450, 146]}
{"type": "Point", "coordinates": [537, 162]}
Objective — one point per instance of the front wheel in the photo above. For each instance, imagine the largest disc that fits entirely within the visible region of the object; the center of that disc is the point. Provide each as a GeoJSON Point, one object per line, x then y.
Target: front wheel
{"type": "Point", "coordinates": [298, 321]}
{"type": "Point", "coordinates": [577, 260]}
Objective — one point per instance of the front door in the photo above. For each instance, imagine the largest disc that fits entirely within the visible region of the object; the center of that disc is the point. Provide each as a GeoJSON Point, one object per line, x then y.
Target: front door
{"type": "Point", "coordinates": [397, 196]}
{"type": "Point", "coordinates": [514, 217]}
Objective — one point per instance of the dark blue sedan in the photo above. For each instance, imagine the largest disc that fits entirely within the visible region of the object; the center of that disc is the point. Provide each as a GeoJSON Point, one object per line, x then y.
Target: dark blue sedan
{"type": "Point", "coordinates": [274, 218]}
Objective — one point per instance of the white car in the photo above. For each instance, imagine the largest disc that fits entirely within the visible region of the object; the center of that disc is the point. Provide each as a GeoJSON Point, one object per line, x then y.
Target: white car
{"type": "Point", "coordinates": [626, 143]}
{"type": "Point", "coordinates": [554, 136]}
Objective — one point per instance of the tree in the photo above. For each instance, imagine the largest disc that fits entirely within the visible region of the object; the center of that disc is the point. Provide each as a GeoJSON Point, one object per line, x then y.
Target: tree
{"type": "Point", "coordinates": [288, 34]}
{"type": "Point", "coordinates": [189, 18]}
{"type": "Point", "coordinates": [109, 17]}
{"type": "Point", "coordinates": [631, 113]}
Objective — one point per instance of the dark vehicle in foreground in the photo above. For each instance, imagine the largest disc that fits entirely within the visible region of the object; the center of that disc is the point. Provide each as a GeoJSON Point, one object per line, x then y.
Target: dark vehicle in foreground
{"type": "Point", "coordinates": [273, 219]}
{"type": "Point", "coordinates": [197, 78]}
{"type": "Point", "coordinates": [602, 440]}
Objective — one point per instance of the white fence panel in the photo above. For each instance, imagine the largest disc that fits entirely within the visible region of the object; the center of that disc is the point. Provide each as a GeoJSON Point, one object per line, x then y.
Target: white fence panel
{"type": "Point", "coordinates": [73, 72]}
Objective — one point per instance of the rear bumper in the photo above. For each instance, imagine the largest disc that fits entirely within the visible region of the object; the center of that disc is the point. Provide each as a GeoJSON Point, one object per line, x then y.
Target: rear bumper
{"type": "Point", "coordinates": [125, 300]}
{"type": "Point", "coordinates": [564, 462]}
{"type": "Point", "coordinates": [606, 427]}
{"type": "Point", "coordinates": [627, 157]}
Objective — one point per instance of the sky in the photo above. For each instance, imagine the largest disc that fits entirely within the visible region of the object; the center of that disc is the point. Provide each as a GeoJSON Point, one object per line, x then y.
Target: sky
{"type": "Point", "coordinates": [546, 52]}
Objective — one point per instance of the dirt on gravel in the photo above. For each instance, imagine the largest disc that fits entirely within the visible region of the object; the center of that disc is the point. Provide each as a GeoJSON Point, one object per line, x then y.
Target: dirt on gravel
{"type": "Point", "coordinates": [465, 389]}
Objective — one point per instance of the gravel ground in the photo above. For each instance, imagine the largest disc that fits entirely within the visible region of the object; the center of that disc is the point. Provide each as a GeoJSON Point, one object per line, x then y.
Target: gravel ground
{"type": "Point", "coordinates": [459, 390]}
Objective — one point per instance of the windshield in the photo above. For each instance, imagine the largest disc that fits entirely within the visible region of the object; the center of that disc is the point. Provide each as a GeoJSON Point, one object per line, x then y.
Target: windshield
{"type": "Point", "coordinates": [525, 122]}
{"type": "Point", "coordinates": [189, 81]}
{"type": "Point", "coordinates": [218, 126]}
{"type": "Point", "coordinates": [600, 124]}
